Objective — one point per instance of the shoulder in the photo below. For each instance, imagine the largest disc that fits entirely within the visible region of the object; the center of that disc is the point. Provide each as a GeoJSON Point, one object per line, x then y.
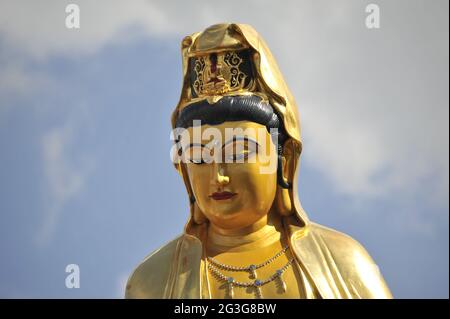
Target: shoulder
{"type": "Point", "coordinates": [355, 264]}
{"type": "Point", "coordinates": [149, 279]}
{"type": "Point", "coordinates": [336, 239]}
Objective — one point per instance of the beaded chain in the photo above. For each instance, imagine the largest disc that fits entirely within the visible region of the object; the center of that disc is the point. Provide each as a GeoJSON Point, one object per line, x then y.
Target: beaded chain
{"type": "Point", "coordinates": [214, 266]}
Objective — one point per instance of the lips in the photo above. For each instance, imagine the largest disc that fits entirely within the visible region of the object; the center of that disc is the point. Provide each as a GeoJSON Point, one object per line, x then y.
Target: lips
{"type": "Point", "coordinates": [222, 195]}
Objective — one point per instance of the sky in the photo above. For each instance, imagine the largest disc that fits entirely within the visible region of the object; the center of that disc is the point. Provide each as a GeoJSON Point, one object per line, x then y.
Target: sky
{"type": "Point", "coordinates": [85, 170]}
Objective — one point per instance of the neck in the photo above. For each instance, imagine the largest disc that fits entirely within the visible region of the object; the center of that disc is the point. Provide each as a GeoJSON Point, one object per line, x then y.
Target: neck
{"type": "Point", "coordinates": [263, 232]}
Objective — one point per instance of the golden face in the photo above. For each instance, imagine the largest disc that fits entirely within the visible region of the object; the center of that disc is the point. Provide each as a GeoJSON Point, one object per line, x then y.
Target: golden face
{"type": "Point", "coordinates": [232, 171]}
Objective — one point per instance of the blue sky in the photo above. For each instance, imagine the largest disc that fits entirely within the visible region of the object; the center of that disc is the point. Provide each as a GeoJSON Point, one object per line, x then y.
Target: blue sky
{"type": "Point", "coordinates": [85, 170]}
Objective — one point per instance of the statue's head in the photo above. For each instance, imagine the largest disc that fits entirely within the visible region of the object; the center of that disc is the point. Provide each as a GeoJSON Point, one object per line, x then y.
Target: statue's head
{"type": "Point", "coordinates": [236, 130]}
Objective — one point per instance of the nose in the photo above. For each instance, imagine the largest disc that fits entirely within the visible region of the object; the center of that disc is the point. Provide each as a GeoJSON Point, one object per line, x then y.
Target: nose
{"type": "Point", "coordinates": [221, 178]}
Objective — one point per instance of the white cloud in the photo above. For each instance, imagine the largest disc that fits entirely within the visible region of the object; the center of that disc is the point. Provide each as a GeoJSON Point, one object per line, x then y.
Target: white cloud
{"type": "Point", "coordinates": [15, 80]}
{"type": "Point", "coordinates": [374, 103]}
{"type": "Point", "coordinates": [38, 28]}
{"type": "Point", "coordinates": [65, 177]}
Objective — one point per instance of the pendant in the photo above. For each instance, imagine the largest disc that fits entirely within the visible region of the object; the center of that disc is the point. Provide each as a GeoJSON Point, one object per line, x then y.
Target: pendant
{"type": "Point", "coordinates": [230, 281]}
{"type": "Point", "coordinates": [281, 282]}
{"type": "Point", "coordinates": [252, 269]}
{"type": "Point", "coordinates": [258, 292]}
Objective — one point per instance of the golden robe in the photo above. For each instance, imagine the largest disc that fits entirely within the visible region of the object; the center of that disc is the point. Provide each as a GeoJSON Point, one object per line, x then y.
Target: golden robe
{"type": "Point", "coordinates": [336, 266]}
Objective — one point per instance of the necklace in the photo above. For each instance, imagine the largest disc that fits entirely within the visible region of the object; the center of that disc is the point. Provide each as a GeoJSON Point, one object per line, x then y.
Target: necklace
{"type": "Point", "coordinates": [214, 266]}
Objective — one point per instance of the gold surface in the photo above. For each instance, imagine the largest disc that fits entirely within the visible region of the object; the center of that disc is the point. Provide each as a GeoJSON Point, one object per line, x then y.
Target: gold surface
{"type": "Point", "coordinates": [225, 77]}
{"type": "Point", "coordinates": [254, 225]}
{"type": "Point", "coordinates": [331, 265]}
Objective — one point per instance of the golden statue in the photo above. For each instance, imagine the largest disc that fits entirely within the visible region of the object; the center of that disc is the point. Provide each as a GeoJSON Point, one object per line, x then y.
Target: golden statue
{"type": "Point", "coordinates": [247, 235]}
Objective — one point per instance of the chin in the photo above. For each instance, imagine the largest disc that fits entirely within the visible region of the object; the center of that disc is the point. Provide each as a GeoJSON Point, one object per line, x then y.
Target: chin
{"type": "Point", "coordinates": [226, 215]}
{"type": "Point", "coordinates": [226, 207]}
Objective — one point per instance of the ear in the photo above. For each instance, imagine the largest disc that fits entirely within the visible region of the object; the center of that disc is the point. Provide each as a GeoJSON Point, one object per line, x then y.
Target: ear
{"type": "Point", "coordinates": [288, 162]}
{"type": "Point", "coordinates": [284, 202]}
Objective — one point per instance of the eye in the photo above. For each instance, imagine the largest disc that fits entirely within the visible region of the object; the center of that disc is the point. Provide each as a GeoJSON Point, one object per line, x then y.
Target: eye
{"type": "Point", "coordinates": [196, 155]}
{"type": "Point", "coordinates": [197, 162]}
{"type": "Point", "coordinates": [240, 150]}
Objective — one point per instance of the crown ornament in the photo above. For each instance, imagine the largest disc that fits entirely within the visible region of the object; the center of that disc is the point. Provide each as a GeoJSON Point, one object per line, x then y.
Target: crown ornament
{"type": "Point", "coordinates": [220, 73]}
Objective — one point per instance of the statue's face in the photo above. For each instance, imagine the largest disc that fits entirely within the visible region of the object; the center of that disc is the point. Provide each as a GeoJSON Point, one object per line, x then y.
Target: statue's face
{"type": "Point", "coordinates": [233, 176]}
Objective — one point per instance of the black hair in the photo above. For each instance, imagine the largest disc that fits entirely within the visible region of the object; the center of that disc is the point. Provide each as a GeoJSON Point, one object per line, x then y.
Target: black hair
{"type": "Point", "coordinates": [238, 108]}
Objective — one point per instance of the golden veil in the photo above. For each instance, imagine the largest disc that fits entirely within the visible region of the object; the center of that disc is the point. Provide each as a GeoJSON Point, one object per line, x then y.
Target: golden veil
{"type": "Point", "coordinates": [271, 84]}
